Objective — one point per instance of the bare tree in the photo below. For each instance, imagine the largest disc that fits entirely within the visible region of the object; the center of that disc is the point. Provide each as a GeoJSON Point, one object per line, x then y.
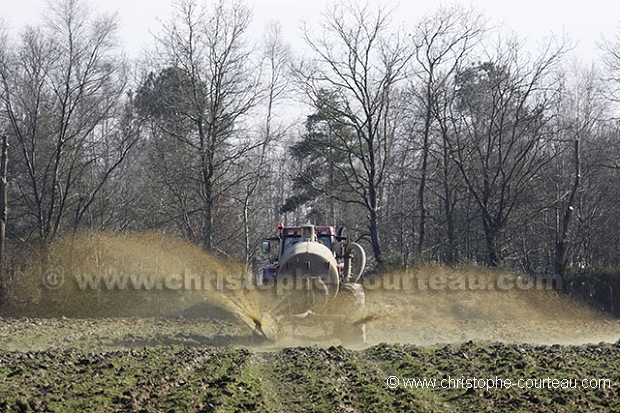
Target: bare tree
{"type": "Point", "coordinates": [212, 85]}
{"type": "Point", "coordinates": [442, 41]}
{"type": "Point", "coordinates": [3, 167]}
{"type": "Point", "coordinates": [4, 202]}
{"type": "Point", "coordinates": [499, 139]}
{"type": "Point", "coordinates": [611, 60]}
{"type": "Point", "coordinates": [361, 63]}
{"type": "Point", "coordinates": [61, 91]}
{"type": "Point", "coordinates": [257, 167]}
{"type": "Point", "coordinates": [585, 115]}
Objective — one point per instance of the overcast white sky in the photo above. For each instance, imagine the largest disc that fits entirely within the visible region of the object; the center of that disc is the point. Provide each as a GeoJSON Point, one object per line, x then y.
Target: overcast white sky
{"type": "Point", "coordinates": [584, 21]}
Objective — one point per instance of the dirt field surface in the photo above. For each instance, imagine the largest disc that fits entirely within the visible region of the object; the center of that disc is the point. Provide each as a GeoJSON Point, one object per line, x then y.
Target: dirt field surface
{"type": "Point", "coordinates": [424, 353]}
{"type": "Point", "coordinates": [438, 340]}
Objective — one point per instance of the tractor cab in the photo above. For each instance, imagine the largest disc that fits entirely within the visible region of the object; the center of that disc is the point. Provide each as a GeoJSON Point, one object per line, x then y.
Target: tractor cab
{"type": "Point", "coordinates": [289, 236]}
{"type": "Point", "coordinates": [292, 235]}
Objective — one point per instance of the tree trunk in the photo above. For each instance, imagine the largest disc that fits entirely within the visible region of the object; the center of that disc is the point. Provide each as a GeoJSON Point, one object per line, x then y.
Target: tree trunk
{"type": "Point", "coordinates": [3, 201]}
{"type": "Point", "coordinates": [451, 254]}
{"type": "Point", "coordinates": [422, 188]}
{"type": "Point", "coordinates": [374, 225]}
{"type": "Point", "coordinates": [207, 227]}
{"type": "Point", "coordinates": [490, 235]}
{"type": "Point", "coordinates": [3, 212]}
{"type": "Point", "coordinates": [561, 246]}
{"type": "Point", "coordinates": [374, 238]}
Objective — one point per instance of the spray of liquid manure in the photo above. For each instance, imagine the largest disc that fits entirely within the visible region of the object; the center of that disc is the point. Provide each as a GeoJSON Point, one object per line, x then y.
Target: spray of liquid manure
{"type": "Point", "coordinates": [101, 275]}
{"type": "Point", "coordinates": [139, 275]}
{"type": "Point", "coordinates": [435, 304]}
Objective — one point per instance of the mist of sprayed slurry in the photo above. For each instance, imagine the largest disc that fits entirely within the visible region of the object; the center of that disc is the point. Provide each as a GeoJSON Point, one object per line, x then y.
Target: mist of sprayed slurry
{"type": "Point", "coordinates": [253, 309]}
{"type": "Point", "coordinates": [503, 308]}
{"type": "Point", "coordinates": [102, 275]}
{"type": "Point", "coordinates": [177, 278]}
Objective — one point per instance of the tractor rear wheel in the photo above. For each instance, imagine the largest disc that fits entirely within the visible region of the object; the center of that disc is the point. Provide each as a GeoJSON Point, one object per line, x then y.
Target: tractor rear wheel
{"type": "Point", "coordinates": [351, 302]}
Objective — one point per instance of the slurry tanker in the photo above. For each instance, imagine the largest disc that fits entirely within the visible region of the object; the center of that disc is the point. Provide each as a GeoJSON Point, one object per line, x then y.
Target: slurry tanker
{"type": "Point", "coordinates": [316, 274]}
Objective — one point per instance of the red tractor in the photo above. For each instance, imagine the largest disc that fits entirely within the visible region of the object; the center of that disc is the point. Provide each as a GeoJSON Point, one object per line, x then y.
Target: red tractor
{"type": "Point", "coordinates": [316, 273]}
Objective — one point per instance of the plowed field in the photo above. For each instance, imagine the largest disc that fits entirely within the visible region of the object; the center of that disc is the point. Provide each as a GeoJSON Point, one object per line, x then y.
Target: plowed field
{"type": "Point", "coordinates": [437, 340]}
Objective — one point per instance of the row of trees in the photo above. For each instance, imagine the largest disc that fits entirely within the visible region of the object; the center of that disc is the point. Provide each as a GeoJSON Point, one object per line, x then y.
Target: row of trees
{"type": "Point", "coordinates": [444, 142]}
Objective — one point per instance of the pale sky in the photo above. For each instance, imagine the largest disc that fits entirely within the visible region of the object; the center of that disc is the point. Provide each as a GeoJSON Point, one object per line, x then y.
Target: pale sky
{"type": "Point", "coordinates": [585, 22]}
